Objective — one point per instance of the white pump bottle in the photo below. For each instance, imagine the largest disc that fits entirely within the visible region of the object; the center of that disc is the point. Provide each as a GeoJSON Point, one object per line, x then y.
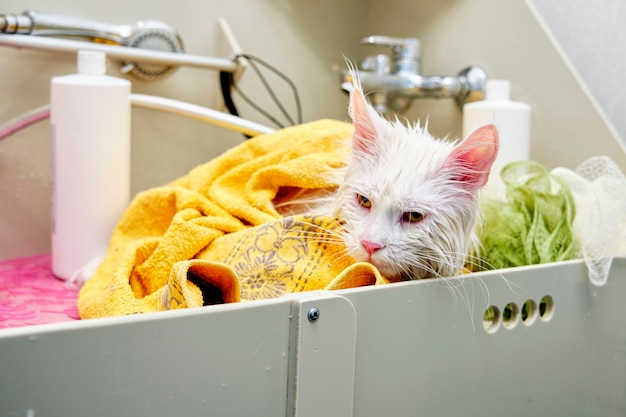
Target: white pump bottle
{"type": "Point", "coordinates": [90, 129]}
{"type": "Point", "coordinates": [512, 119]}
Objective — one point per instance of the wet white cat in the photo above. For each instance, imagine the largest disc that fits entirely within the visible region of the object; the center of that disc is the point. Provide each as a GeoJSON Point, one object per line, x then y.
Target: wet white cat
{"type": "Point", "coordinates": [409, 202]}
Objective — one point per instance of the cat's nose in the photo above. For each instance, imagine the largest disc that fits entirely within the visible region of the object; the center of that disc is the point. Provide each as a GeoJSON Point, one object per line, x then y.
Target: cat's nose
{"type": "Point", "coordinates": [371, 247]}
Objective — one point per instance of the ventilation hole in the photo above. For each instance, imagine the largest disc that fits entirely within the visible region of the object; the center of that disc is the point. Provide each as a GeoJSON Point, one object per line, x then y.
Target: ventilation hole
{"type": "Point", "coordinates": [491, 319]}
{"type": "Point", "coordinates": [546, 308]}
{"type": "Point", "coordinates": [529, 312]}
{"type": "Point", "coordinates": [510, 315]}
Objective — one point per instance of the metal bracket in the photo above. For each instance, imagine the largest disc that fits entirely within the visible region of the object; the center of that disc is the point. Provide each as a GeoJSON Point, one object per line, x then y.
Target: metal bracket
{"type": "Point", "coordinates": [321, 369]}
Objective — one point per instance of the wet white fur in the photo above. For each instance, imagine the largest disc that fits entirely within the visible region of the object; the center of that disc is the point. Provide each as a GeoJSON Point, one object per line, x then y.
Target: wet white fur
{"type": "Point", "coordinates": [404, 169]}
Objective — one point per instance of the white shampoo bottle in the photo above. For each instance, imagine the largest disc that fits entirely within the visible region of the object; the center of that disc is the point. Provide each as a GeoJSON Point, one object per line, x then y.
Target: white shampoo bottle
{"type": "Point", "coordinates": [512, 119]}
{"type": "Point", "coordinates": [90, 130]}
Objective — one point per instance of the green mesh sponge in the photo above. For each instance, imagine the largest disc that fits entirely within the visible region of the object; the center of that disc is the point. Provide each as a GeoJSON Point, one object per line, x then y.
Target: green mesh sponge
{"type": "Point", "coordinates": [533, 224]}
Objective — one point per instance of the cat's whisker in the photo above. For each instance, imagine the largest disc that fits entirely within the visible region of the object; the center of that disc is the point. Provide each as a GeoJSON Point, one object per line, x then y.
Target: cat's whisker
{"type": "Point", "coordinates": [339, 258]}
{"type": "Point", "coordinates": [333, 240]}
{"type": "Point", "coordinates": [476, 263]}
{"type": "Point", "coordinates": [457, 284]}
{"type": "Point", "coordinates": [306, 202]}
{"type": "Point", "coordinates": [321, 232]}
{"type": "Point", "coordinates": [490, 268]}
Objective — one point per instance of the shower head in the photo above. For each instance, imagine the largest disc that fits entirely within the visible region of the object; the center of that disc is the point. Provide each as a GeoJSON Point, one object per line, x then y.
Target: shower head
{"type": "Point", "coordinates": [146, 34]}
{"type": "Point", "coordinates": [151, 34]}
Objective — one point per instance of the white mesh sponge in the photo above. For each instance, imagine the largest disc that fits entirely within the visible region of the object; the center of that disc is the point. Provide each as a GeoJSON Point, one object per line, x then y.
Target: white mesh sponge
{"type": "Point", "coordinates": [599, 190]}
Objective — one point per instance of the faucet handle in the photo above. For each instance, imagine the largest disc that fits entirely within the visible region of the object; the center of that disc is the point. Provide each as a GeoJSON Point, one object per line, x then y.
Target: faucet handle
{"type": "Point", "coordinates": [406, 51]}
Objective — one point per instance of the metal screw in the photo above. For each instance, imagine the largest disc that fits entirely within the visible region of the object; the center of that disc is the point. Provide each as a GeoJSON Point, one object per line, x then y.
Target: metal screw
{"type": "Point", "coordinates": [314, 314]}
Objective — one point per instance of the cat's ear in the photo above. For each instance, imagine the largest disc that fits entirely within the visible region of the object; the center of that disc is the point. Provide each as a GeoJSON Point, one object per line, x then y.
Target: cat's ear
{"type": "Point", "coordinates": [471, 160]}
{"type": "Point", "coordinates": [368, 125]}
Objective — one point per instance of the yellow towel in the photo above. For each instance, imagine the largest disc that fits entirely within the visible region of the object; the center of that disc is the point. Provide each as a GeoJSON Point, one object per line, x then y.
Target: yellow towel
{"type": "Point", "coordinates": [214, 236]}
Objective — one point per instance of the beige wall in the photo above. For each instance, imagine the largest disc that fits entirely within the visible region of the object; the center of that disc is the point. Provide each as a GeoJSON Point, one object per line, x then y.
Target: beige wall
{"type": "Point", "coordinates": [299, 37]}
{"type": "Point", "coordinates": [505, 38]}
{"type": "Point", "coordinates": [307, 40]}
{"type": "Point", "coordinates": [592, 35]}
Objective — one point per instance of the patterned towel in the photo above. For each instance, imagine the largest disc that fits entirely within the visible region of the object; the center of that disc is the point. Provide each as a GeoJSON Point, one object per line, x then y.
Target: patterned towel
{"type": "Point", "coordinates": [213, 236]}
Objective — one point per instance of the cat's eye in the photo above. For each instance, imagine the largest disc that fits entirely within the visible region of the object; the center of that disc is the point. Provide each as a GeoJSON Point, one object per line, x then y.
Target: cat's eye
{"type": "Point", "coordinates": [363, 201]}
{"type": "Point", "coordinates": [412, 216]}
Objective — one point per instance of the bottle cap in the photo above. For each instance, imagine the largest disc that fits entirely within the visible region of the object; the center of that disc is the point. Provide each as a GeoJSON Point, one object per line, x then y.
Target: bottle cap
{"type": "Point", "coordinates": [497, 90]}
{"type": "Point", "coordinates": [92, 62]}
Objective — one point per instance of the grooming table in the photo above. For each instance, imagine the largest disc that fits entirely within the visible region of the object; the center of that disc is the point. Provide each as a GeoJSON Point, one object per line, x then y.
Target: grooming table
{"type": "Point", "coordinates": [551, 344]}
{"type": "Point", "coordinates": [30, 294]}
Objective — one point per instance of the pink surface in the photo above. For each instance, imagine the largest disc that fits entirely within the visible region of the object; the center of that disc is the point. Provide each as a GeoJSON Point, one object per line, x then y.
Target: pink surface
{"type": "Point", "coordinates": [30, 294]}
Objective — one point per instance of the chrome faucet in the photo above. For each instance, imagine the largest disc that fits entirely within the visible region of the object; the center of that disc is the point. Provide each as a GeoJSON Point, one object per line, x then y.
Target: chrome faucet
{"type": "Point", "coordinates": [393, 84]}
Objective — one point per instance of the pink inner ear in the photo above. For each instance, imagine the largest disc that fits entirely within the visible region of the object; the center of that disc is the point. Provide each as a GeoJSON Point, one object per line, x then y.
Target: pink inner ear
{"type": "Point", "coordinates": [364, 120]}
{"type": "Point", "coordinates": [472, 158]}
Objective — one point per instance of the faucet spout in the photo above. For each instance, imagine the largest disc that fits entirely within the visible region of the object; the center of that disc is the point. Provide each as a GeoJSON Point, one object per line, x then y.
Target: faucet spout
{"type": "Point", "coordinates": [400, 89]}
{"type": "Point", "coordinates": [394, 87]}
